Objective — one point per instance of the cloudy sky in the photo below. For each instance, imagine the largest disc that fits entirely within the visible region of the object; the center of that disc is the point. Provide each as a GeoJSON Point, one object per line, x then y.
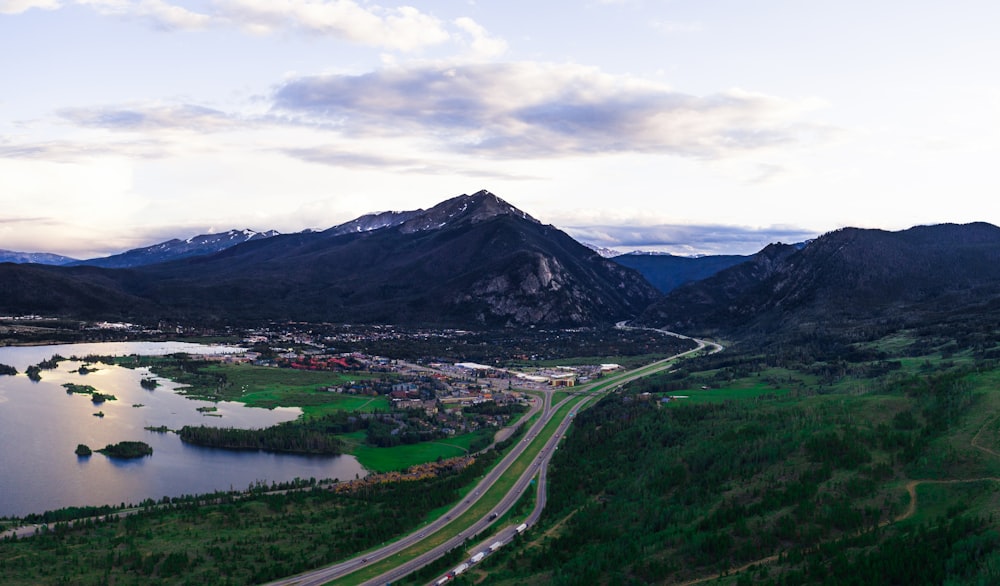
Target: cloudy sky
{"type": "Point", "coordinates": [689, 126]}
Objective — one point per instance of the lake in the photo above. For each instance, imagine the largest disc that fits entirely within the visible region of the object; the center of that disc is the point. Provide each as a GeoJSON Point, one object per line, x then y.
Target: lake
{"type": "Point", "coordinates": [41, 425]}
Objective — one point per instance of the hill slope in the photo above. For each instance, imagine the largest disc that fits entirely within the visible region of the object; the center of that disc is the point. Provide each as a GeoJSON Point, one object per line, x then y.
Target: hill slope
{"type": "Point", "coordinates": [845, 279]}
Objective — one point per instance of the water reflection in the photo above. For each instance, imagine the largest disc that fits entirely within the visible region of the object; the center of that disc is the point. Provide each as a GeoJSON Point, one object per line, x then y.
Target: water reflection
{"type": "Point", "coordinates": [41, 425]}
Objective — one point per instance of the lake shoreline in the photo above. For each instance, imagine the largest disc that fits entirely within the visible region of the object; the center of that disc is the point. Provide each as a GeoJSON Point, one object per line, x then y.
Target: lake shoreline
{"type": "Point", "coordinates": [53, 477]}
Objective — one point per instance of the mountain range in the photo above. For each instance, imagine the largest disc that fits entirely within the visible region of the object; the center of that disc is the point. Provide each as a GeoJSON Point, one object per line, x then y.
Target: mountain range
{"type": "Point", "coordinates": [42, 258]}
{"type": "Point", "coordinates": [477, 261]}
{"type": "Point", "coordinates": [666, 272]}
{"type": "Point", "coordinates": [472, 260]}
{"type": "Point", "coordinates": [174, 249]}
{"type": "Point", "coordinates": [857, 280]}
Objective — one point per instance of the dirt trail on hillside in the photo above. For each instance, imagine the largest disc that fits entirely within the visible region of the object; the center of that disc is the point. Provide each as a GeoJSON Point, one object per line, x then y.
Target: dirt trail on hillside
{"type": "Point", "coordinates": [911, 509]}
{"type": "Point", "coordinates": [975, 438]}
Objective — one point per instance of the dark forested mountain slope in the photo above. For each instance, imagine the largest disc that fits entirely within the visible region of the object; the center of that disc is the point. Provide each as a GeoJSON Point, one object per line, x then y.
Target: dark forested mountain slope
{"type": "Point", "coordinates": [82, 292]}
{"type": "Point", "coordinates": [844, 279]}
{"type": "Point", "coordinates": [471, 260]}
{"type": "Point", "coordinates": [666, 272]}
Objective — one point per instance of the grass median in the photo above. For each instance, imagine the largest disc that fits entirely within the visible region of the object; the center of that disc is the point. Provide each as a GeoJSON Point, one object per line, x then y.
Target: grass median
{"type": "Point", "coordinates": [480, 509]}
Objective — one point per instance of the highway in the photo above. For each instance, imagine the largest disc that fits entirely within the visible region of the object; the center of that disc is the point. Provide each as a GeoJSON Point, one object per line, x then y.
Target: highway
{"type": "Point", "coordinates": [397, 548]}
{"type": "Point", "coordinates": [329, 573]}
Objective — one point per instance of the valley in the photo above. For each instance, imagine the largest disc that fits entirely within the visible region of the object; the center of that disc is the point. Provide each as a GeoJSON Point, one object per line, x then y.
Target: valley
{"type": "Point", "coordinates": [575, 397]}
{"type": "Point", "coordinates": [773, 462]}
{"type": "Point", "coordinates": [504, 389]}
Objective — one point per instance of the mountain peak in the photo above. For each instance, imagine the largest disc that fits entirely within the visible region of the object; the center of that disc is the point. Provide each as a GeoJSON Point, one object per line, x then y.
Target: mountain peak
{"type": "Point", "coordinates": [478, 207]}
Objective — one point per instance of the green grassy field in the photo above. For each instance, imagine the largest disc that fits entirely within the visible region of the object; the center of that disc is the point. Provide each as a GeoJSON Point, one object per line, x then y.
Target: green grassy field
{"type": "Point", "coordinates": [400, 457]}
{"type": "Point", "coordinates": [262, 386]}
{"type": "Point", "coordinates": [266, 387]}
{"type": "Point", "coordinates": [739, 390]}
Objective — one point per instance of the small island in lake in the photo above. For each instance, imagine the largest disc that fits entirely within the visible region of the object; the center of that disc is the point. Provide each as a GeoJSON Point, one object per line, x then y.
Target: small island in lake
{"type": "Point", "coordinates": [6, 369]}
{"type": "Point", "coordinates": [81, 389]}
{"type": "Point", "coordinates": [149, 384]}
{"type": "Point", "coordinates": [95, 395]}
{"type": "Point", "coordinates": [83, 450]}
{"type": "Point", "coordinates": [127, 449]}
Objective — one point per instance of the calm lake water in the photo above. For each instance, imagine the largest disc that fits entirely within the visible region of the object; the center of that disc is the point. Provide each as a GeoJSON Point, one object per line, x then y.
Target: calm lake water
{"type": "Point", "coordinates": [41, 425]}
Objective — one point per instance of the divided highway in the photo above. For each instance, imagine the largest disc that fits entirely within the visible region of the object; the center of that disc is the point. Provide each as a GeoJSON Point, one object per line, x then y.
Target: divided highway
{"type": "Point", "coordinates": [541, 453]}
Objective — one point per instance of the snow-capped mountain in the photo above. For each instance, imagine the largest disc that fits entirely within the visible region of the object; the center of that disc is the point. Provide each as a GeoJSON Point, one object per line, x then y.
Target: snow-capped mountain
{"type": "Point", "coordinates": [374, 221]}
{"type": "Point", "coordinates": [41, 258]}
{"type": "Point", "coordinates": [175, 249]}
{"type": "Point", "coordinates": [604, 252]}
{"type": "Point", "coordinates": [475, 208]}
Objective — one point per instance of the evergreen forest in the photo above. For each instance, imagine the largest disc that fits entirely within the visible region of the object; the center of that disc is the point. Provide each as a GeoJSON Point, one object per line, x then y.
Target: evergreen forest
{"type": "Point", "coordinates": [823, 462]}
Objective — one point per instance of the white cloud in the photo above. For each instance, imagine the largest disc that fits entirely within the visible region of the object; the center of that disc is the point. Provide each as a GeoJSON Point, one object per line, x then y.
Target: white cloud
{"type": "Point", "coordinates": [158, 13]}
{"type": "Point", "coordinates": [351, 158]}
{"type": "Point", "coordinates": [482, 43]}
{"type": "Point", "coordinates": [531, 110]}
{"type": "Point", "coordinates": [149, 117]}
{"type": "Point", "coordinates": [73, 151]}
{"type": "Point", "coordinates": [172, 17]}
{"type": "Point", "coordinates": [404, 28]}
{"type": "Point", "coordinates": [687, 239]}
{"type": "Point", "coordinates": [19, 6]}
{"type": "Point", "coordinates": [138, 131]}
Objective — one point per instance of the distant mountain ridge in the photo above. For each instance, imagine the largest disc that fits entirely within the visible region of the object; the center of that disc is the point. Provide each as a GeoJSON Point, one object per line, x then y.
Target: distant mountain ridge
{"type": "Point", "coordinates": [176, 249]}
{"type": "Point", "coordinates": [847, 279]}
{"type": "Point", "coordinates": [440, 215]}
{"type": "Point", "coordinates": [42, 258]}
{"type": "Point", "coordinates": [666, 272]}
{"type": "Point", "coordinates": [476, 260]}
{"type": "Point", "coordinates": [601, 250]}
